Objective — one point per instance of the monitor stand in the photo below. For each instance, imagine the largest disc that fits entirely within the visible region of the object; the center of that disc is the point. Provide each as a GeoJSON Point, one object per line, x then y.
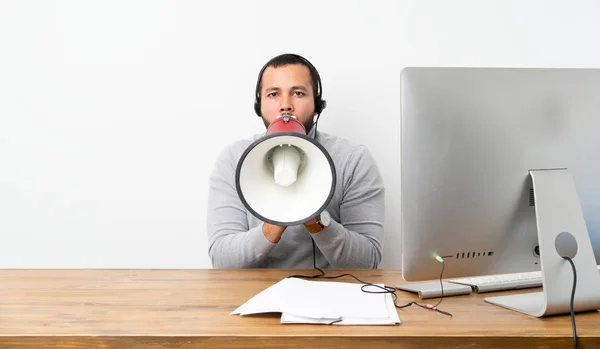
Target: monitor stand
{"type": "Point", "coordinates": [561, 232]}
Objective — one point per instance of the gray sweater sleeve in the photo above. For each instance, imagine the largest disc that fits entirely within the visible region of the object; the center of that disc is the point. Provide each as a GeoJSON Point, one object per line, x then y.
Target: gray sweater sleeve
{"type": "Point", "coordinates": [232, 244]}
{"type": "Point", "coordinates": [355, 241]}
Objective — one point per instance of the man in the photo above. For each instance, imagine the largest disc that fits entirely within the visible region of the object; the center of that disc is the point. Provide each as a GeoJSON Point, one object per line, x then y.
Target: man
{"type": "Point", "coordinates": [352, 238]}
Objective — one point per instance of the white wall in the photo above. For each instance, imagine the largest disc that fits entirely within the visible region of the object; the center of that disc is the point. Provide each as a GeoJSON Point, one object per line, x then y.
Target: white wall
{"type": "Point", "coordinates": [112, 112]}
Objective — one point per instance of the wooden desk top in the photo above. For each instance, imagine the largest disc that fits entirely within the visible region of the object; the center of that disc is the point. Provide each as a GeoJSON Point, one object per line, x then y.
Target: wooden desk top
{"type": "Point", "coordinates": [190, 309]}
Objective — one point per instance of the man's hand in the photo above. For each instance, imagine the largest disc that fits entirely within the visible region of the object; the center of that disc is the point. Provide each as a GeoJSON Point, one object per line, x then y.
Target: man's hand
{"type": "Point", "coordinates": [273, 232]}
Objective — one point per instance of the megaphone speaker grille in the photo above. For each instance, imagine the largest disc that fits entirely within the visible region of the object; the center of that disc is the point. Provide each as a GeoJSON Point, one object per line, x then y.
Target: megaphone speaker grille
{"type": "Point", "coordinates": [304, 170]}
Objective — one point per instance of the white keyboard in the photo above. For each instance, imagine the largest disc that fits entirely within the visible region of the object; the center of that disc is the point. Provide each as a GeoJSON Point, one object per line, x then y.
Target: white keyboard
{"type": "Point", "coordinates": [491, 283]}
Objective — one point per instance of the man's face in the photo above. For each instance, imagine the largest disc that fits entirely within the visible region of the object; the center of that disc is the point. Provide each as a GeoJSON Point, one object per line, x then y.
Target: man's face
{"type": "Point", "coordinates": [287, 89]}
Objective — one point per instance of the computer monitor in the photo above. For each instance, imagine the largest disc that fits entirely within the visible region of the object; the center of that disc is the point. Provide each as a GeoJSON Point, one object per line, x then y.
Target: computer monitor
{"type": "Point", "coordinates": [495, 164]}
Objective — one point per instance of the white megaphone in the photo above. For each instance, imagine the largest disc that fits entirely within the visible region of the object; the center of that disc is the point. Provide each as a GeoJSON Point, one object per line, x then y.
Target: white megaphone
{"type": "Point", "coordinates": [285, 177]}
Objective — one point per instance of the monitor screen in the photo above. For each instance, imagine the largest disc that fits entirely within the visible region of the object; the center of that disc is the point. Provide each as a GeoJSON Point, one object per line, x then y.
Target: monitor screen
{"type": "Point", "coordinates": [469, 139]}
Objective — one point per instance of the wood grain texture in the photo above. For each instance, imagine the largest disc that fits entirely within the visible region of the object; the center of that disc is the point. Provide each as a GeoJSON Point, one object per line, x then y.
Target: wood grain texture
{"type": "Point", "coordinates": [78, 308]}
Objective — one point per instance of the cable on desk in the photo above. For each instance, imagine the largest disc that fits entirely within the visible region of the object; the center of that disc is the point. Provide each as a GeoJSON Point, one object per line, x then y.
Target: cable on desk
{"type": "Point", "coordinates": [429, 306]}
{"type": "Point", "coordinates": [384, 289]}
{"type": "Point", "coordinates": [572, 302]}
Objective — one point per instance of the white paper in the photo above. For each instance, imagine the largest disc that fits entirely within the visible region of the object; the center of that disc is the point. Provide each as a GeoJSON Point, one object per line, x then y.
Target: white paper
{"type": "Point", "coordinates": [306, 301]}
{"type": "Point", "coordinates": [271, 300]}
{"type": "Point", "coordinates": [391, 319]}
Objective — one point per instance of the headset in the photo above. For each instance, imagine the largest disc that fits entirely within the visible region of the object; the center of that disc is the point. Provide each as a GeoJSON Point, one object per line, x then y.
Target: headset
{"type": "Point", "coordinates": [320, 103]}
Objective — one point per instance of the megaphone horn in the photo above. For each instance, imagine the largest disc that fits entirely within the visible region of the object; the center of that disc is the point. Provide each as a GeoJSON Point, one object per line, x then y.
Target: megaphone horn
{"type": "Point", "coordinates": [285, 177]}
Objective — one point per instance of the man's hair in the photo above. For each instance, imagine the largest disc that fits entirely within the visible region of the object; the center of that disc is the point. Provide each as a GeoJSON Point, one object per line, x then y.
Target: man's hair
{"type": "Point", "coordinates": [289, 59]}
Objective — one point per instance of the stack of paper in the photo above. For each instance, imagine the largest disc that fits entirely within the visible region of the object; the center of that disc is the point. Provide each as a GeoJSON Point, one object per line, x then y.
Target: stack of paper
{"type": "Point", "coordinates": [323, 302]}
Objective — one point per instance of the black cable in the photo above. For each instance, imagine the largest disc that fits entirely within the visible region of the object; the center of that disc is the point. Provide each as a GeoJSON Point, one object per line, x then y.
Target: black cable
{"type": "Point", "coordinates": [573, 301]}
{"type": "Point", "coordinates": [384, 289]}
{"type": "Point", "coordinates": [441, 285]}
{"type": "Point", "coordinates": [429, 306]}
{"type": "Point", "coordinates": [315, 125]}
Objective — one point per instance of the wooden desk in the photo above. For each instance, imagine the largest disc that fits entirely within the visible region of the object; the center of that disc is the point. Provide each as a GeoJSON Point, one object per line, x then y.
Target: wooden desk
{"type": "Point", "coordinates": [190, 309]}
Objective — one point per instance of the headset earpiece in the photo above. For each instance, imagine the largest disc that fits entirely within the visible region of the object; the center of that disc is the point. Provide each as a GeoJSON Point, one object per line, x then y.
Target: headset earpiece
{"type": "Point", "coordinates": [257, 106]}
{"type": "Point", "coordinates": [320, 104]}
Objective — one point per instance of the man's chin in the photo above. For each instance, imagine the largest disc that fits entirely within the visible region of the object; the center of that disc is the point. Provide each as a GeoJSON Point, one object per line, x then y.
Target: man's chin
{"type": "Point", "coordinates": [308, 127]}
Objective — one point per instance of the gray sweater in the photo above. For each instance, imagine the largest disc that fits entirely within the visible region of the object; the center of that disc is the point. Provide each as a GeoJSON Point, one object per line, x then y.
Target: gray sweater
{"type": "Point", "coordinates": [353, 240]}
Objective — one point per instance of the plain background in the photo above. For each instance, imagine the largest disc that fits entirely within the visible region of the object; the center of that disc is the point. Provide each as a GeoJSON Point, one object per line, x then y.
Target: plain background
{"type": "Point", "coordinates": [113, 112]}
